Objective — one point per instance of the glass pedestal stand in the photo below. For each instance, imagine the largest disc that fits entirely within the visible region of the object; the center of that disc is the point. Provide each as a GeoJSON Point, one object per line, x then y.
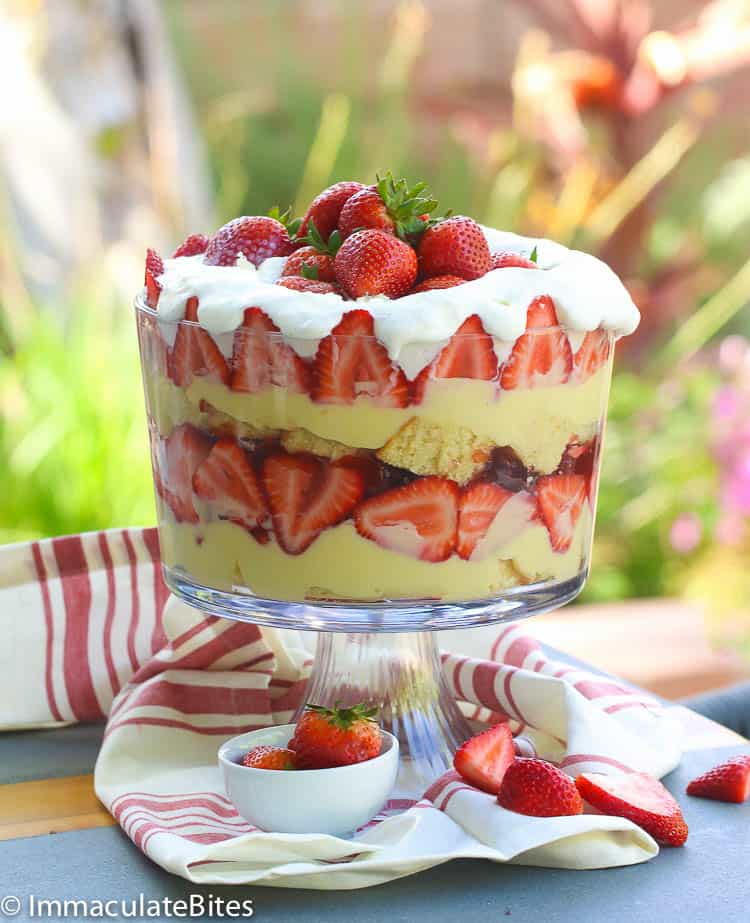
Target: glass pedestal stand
{"type": "Point", "coordinates": [387, 654]}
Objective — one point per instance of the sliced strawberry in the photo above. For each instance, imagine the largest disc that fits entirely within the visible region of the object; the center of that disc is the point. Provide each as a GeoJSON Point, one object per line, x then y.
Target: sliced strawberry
{"type": "Point", "coordinates": [194, 353]}
{"type": "Point", "coordinates": [470, 353]}
{"type": "Point", "coordinates": [350, 362]}
{"type": "Point", "coordinates": [154, 268]}
{"type": "Point", "coordinates": [226, 481]}
{"type": "Point", "coordinates": [419, 519]}
{"type": "Point", "coordinates": [541, 313]}
{"type": "Point", "coordinates": [592, 354]}
{"type": "Point", "coordinates": [185, 449]}
{"type": "Point", "coordinates": [261, 359]}
{"type": "Point", "coordinates": [541, 357]}
{"type": "Point", "coordinates": [307, 495]}
{"type": "Point", "coordinates": [640, 798]}
{"type": "Point", "coordinates": [560, 500]}
{"type": "Point", "coordinates": [729, 781]}
{"type": "Point", "coordinates": [483, 760]}
{"type": "Point", "coordinates": [479, 505]}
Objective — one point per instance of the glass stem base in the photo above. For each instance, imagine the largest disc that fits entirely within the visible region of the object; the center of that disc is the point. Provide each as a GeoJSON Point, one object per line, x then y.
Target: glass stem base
{"type": "Point", "coordinates": [402, 675]}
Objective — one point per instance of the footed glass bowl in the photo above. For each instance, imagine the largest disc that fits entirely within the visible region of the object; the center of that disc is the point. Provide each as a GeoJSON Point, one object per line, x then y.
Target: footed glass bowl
{"type": "Point", "coordinates": [321, 485]}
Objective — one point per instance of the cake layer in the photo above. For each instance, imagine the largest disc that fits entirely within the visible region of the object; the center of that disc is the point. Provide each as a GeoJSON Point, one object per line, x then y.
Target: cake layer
{"type": "Point", "coordinates": [341, 564]}
{"type": "Point", "coordinates": [538, 422]}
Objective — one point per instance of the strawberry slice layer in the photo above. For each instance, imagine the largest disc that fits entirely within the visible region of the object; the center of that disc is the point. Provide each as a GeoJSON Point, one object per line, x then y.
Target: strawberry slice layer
{"type": "Point", "coordinates": [483, 760]}
{"type": "Point", "coordinates": [154, 268]}
{"type": "Point", "coordinates": [541, 357]}
{"type": "Point", "coordinates": [351, 362]}
{"type": "Point", "coordinates": [591, 355]}
{"type": "Point", "coordinates": [261, 359]}
{"type": "Point", "coordinates": [419, 519]}
{"type": "Point", "coordinates": [560, 499]}
{"type": "Point", "coordinates": [470, 353]}
{"type": "Point", "coordinates": [226, 481]}
{"type": "Point", "coordinates": [185, 449]}
{"type": "Point", "coordinates": [479, 505]}
{"type": "Point", "coordinates": [307, 495]}
{"type": "Point", "coordinates": [638, 797]}
{"type": "Point", "coordinates": [194, 353]}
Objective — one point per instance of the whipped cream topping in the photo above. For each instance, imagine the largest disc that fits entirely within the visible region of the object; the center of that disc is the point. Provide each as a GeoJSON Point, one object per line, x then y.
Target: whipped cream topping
{"type": "Point", "coordinates": [587, 295]}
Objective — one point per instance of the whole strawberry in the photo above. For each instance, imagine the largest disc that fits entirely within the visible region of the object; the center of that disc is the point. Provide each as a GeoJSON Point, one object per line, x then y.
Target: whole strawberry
{"type": "Point", "coordinates": [255, 237]}
{"type": "Point", "coordinates": [429, 285]}
{"type": "Point", "coordinates": [538, 789]}
{"type": "Point", "coordinates": [729, 781]}
{"type": "Point", "coordinates": [315, 260]}
{"type": "Point", "coordinates": [326, 737]}
{"type": "Point", "coordinates": [265, 757]}
{"type": "Point", "coordinates": [389, 206]}
{"type": "Point", "coordinates": [456, 247]}
{"type": "Point", "coordinates": [504, 259]}
{"type": "Point", "coordinates": [375, 263]}
{"type": "Point", "coordinates": [326, 208]}
{"type": "Point", "coordinates": [192, 246]}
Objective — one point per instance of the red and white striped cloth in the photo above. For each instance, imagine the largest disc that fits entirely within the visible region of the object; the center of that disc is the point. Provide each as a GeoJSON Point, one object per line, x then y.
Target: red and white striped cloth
{"type": "Point", "coordinates": [93, 632]}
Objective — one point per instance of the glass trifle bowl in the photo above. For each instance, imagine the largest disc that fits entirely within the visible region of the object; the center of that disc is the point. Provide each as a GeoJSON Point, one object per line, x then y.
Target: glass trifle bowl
{"type": "Point", "coordinates": [378, 468]}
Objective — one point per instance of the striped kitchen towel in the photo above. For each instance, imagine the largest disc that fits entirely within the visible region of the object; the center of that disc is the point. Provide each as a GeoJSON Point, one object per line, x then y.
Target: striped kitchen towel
{"type": "Point", "coordinates": [91, 631]}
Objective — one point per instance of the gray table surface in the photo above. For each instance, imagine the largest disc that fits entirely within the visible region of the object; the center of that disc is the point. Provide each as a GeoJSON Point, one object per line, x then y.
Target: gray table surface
{"type": "Point", "coordinates": [706, 880]}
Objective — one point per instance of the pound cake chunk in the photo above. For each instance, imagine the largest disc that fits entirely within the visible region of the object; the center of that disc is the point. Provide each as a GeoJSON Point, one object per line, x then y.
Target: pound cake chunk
{"type": "Point", "coordinates": [425, 447]}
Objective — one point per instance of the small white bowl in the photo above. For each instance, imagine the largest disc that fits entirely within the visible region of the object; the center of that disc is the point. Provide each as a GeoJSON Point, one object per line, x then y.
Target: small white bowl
{"type": "Point", "coordinates": [335, 801]}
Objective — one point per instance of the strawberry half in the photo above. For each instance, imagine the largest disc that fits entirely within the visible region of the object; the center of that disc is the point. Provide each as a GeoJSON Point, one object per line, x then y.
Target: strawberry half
{"type": "Point", "coordinates": [185, 449]}
{"type": "Point", "coordinates": [591, 355]}
{"type": "Point", "coordinates": [194, 353]}
{"type": "Point", "coordinates": [419, 519]}
{"type": "Point", "coordinates": [350, 362]}
{"type": "Point", "coordinates": [260, 358]}
{"type": "Point", "coordinates": [479, 505]}
{"type": "Point", "coordinates": [470, 353]}
{"type": "Point", "coordinates": [483, 760]}
{"type": "Point", "coordinates": [454, 246]}
{"type": "Point", "coordinates": [307, 495]}
{"type": "Point", "coordinates": [729, 781]}
{"type": "Point", "coordinates": [541, 357]}
{"type": "Point", "coordinates": [536, 788]}
{"type": "Point", "coordinates": [560, 499]}
{"type": "Point", "coordinates": [154, 268]}
{"type": "Point", "coordinates": [641, 799]}
{"type": "Point", "coordinates": [226, 481]}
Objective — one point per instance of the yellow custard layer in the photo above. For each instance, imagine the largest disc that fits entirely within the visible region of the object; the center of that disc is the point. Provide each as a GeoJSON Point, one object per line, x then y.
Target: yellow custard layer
{"type": "Point", "coordinates": [341, 564]}
{"type": "Point", "coordinates": [537, 423]}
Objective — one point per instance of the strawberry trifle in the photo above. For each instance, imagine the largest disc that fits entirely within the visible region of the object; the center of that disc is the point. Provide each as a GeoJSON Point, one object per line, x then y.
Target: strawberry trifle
{"type": "Point", "coordinates": [374, 405]}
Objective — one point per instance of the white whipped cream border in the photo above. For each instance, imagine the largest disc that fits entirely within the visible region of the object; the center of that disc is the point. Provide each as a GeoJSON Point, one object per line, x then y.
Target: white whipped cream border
{"type": "Point", "coordinates": [586, 292]}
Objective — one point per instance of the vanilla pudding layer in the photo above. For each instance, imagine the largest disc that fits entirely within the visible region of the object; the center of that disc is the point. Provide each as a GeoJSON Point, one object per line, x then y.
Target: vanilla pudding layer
{"type": "Point", "coordinates": [342, 565]}
{"type": "Point", "coordinates": [537, 423]}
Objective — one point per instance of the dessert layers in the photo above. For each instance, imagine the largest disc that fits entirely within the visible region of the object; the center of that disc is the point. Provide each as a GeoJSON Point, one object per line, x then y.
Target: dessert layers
{"type": "Point", "coordinates": [330, 474]}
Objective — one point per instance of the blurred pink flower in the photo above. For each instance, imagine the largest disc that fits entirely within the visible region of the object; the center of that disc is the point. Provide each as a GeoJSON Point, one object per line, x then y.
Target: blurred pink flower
{"type": "Point", "coordinates": [726, 402]}
{"type": "Point", "coordinates": [686, 533]}
{"type": "Point", "coordinates": [733, 353]}
{"type": "Point", "coordinates": [730, 529]}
